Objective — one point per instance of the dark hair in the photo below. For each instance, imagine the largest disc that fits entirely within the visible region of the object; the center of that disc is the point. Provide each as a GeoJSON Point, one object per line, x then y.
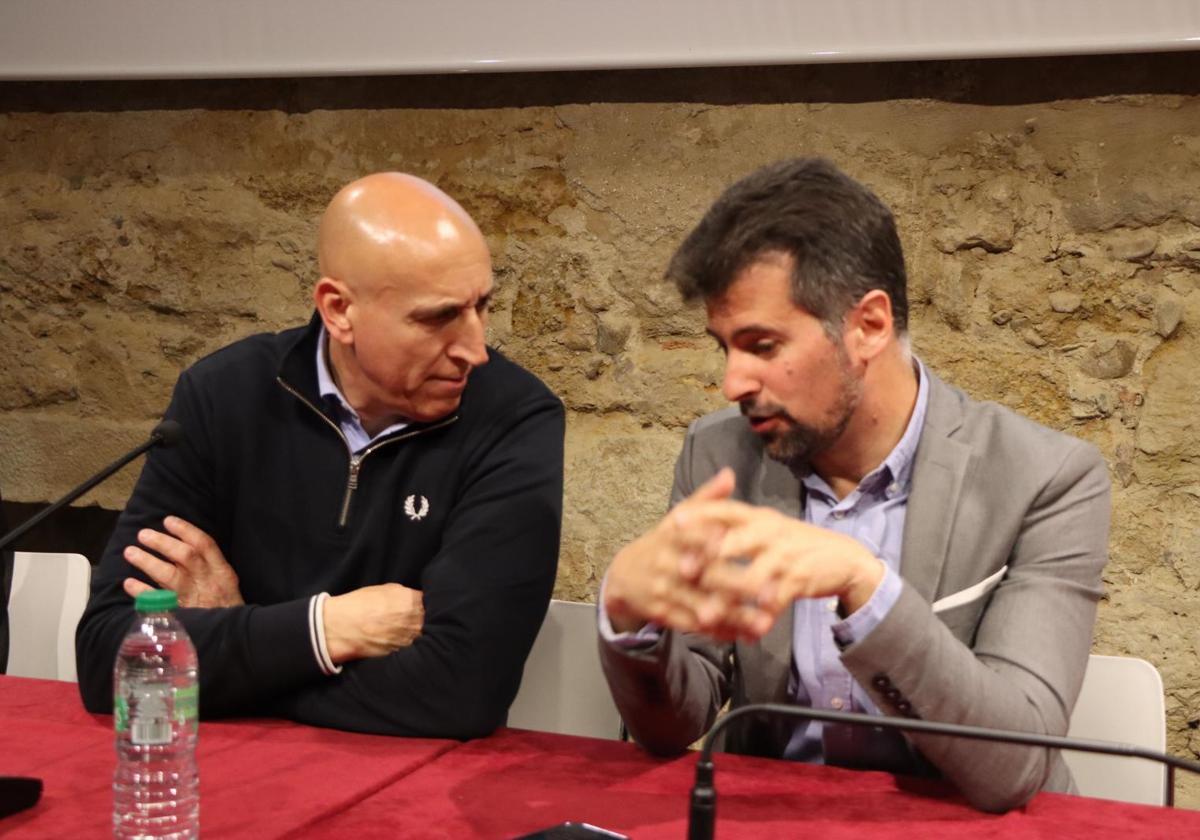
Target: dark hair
{"type": "Point", "coordinates": [841, 237]}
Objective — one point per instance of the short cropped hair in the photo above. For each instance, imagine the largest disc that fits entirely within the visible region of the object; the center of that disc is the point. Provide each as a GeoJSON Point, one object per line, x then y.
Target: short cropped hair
{"type": "Point", "coordinates": [841, 237]}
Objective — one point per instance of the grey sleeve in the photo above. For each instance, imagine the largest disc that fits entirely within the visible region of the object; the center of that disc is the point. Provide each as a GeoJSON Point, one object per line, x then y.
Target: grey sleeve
{"type": "Point", "coordinates": [669, 694]}
{"type": "Point", "coordinates": [1030, 648]}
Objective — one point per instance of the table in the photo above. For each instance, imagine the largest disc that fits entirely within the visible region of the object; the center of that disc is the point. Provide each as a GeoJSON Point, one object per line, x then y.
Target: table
{"type": "Point", "coordinates": [275, 779]}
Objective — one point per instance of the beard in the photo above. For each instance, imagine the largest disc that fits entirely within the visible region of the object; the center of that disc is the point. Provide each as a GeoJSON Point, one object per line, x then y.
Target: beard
{"type": "Point", "coordinates": [796, 443]}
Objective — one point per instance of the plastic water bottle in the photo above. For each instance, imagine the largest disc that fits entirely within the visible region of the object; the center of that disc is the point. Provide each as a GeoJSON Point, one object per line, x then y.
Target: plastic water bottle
{"type": "Point", "coordinates": [156, 787]}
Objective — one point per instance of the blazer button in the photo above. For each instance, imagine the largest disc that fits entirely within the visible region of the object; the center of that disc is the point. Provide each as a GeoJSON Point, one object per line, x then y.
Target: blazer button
{"type": "Point", "coordinates": [893, 695]}
{"type": "Point", "coordinates": [881, 682]}
{"type": "Point", "coordinates": [904, 707]}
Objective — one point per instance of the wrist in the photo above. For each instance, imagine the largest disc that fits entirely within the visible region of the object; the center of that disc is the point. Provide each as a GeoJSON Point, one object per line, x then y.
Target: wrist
{"type": "Point", "coordinates": [338, 642]}
{"type": "Point", "coordinates": [620, 618]}
{"type": "Point", "coordinates": [866, 574]}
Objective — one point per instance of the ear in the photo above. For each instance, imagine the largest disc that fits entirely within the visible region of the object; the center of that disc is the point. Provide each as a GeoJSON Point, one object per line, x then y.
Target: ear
{"type": "Point", "coordinates": [333, 300]}
{"type": "Point", "coordinates": [868, 328]}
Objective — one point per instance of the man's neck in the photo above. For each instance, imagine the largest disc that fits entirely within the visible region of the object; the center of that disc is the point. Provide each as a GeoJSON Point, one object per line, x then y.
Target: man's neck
{"type": "Point", "coordinates": [345, 376]}
{"type": "Point", "coordinates": [889, 396]}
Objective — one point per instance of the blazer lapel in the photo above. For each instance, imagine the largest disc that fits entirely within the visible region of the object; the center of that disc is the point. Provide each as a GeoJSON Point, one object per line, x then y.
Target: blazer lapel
{"type": "Point", "coordinates": [938, 472]}
{"type": "Point", "coordinates": [776, 487]}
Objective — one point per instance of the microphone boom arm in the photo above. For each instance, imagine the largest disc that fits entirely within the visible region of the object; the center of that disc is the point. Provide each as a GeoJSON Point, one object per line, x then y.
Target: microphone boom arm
{"type": "Point", "coordinates": [701, 818]}
{"type": "Point", "coordinates": [166, 433]}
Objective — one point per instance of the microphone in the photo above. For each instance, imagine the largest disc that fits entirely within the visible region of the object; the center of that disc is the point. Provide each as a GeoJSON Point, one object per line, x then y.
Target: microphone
{"type": "Point", "coordinates": [702, 812]}
{"type": "Point", "coordinates": [167, 433]}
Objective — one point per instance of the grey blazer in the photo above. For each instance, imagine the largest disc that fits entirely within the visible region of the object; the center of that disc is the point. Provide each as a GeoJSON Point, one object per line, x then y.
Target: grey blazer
{"type": "Point", "coordinates": [1004, 542]}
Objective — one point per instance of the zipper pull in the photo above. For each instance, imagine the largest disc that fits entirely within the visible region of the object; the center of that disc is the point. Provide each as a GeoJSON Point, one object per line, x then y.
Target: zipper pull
{"type": "Point", "coordinates": [351, 486]}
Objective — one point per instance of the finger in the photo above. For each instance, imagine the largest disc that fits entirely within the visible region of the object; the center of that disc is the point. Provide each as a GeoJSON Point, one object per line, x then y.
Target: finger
{"type": "Point", "coordinates": [134, 587]}
{"type": "Point", "coordinates": [161, 572]}
{"type": "Point", "coordinates": [170, 548]}
{"type": "Point", "coordinates": [735, 578]}
{"type": "Point", "coordinates": [755, 537]}
{"type": "Point", "coordinates": [738, 620]}
{"type": "Point", "coordinates": [675, 606]}
{"type": "Point", "coordinates": [191, 535]}
{"type": "Point", "coordinates": [717, 488]}
{"type": "Point", "coordinates": [687, 550]}
{"type": "Point", "coordinates": [757, 624]}
{"type": "Point", "coordinates": [679, 618]}
{"type": "Point", "coordinates": [720, 486]}
{"type": "Point", "coordinates": [725, 513]}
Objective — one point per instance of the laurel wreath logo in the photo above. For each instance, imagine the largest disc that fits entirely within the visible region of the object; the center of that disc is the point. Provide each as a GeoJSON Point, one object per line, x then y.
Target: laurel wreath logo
{"type": "Point", "coordinates": [413, 511]}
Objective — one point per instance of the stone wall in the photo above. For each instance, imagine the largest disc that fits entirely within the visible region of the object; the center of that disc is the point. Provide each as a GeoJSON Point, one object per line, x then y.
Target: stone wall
{"type": "Point", "coordinates": [1050, 211]}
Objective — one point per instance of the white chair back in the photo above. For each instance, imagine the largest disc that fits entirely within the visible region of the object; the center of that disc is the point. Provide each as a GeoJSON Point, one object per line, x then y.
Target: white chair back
{"type": "Point", "coordinates": [49, 592]}
{"type": "Point", "coordinates": [563, 688]}
{"type": "Point", "coordinates": [1121, 700]}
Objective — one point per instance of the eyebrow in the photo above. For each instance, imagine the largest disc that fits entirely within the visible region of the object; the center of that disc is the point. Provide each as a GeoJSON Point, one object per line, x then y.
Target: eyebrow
{"type": "Point", "coordinates": [740, 332]}
{"type": "Point", "coordinates": [447, 308]}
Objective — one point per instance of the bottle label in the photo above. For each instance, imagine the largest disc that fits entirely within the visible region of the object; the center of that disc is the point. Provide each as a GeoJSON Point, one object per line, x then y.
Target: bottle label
{"type": "Point", "coordinates": [151, 724]}
{"type": "Point", "coordinates": [120, 713]}
{"type": "Point", "coordinates": [187, 706]}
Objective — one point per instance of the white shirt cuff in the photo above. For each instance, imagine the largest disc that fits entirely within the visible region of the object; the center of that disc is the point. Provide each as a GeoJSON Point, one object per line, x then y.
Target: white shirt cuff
{"type": "Point", "coordinates": [316, 634]}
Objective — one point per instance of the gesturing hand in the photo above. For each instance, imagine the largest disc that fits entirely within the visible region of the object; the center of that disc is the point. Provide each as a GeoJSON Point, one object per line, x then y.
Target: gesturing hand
{"type": "Point", "coordinates": [773, 559]}
{"type": "Point", "coordinates": [655, 578]}
{"type": "Point", "coordinates": [372, 621]}
{"type": "Point", "coordinates": [186, 560]}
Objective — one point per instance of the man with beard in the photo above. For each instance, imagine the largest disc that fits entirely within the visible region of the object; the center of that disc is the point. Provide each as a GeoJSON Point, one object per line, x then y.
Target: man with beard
{"type": "Point", "coordinates": [860, 535]}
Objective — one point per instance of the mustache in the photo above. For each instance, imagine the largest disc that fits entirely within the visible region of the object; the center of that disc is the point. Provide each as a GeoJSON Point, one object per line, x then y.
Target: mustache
{"type": "Point", "coordinates": [761, 411]}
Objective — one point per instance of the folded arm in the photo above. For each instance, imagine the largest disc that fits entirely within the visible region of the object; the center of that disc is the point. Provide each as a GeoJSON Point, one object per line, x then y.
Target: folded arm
{"type": "Point", "coordinates": [484, 596]}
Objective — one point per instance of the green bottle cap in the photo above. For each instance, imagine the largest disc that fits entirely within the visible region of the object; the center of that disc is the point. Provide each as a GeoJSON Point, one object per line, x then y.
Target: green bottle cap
{"type": "Point", "coordinates": [156, 600]}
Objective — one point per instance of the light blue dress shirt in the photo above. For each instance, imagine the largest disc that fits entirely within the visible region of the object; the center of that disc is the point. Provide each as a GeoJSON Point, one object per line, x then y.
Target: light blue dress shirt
{"type": "Point", "coordinates": [873, 513]}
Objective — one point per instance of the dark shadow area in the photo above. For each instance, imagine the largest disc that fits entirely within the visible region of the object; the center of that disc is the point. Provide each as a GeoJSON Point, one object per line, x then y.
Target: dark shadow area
{"type": "Point", "coordinates": [997, 81]}
{"type": "Point", "coordinates": [80, 530]}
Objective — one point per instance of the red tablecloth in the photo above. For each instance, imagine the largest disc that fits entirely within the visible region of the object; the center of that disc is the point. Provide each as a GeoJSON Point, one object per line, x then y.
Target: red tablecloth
{"type": "Point", "coordinates": [272, 779]}
{"type": "Point", "coordinates": [516, 782]}
{"type": "Point", "coordinates": [258, 778]}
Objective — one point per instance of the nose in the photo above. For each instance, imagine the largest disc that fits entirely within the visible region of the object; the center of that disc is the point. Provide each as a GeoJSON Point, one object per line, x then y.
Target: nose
{"type": "Point", "coordinates": [468, 346]}
{"type": "Point", "coordinates": [739, 381]}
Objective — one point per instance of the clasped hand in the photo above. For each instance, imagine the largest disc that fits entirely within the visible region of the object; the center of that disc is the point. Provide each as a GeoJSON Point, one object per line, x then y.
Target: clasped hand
{"type": "Point", "coordinates": [727, 569]}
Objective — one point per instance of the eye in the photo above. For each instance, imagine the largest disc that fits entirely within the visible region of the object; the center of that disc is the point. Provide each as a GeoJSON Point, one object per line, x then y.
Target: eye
{"type": "Point", "coordinates": [764, 347]}
{"type": "Point", "coordinates": [439, 318]}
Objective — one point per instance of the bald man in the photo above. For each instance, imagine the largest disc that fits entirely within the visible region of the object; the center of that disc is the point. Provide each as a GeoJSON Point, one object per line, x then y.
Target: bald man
{"type": "Point", "coordinates": [362, 522]}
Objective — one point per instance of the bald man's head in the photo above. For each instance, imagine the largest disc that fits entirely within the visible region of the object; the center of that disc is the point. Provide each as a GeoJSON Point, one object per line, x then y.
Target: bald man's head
{"type": "Point", "coordinates": [391, 223]}
{"type": "Point", "coordinates": [406, 277]}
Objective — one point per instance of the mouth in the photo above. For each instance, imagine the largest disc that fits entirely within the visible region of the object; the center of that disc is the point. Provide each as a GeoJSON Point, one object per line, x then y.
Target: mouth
{"type": "Point", "coordinates": [764, 424]}
{"type": "Point", "coordinates": [450, 382]}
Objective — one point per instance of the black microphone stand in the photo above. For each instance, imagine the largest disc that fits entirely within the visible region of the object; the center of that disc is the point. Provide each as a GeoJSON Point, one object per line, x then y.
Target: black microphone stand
{"type": "Point", "coordinates": [166, 433]}
{"type": "Point", "coordinates": [703, 810]}
{"type": "Point", "coordinates": [17, 792]}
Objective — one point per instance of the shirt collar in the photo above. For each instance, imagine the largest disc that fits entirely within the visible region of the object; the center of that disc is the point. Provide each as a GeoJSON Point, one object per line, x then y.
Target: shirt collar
{"type": "Point", "coordinates": [326, 387]}
{"type": "Point", "coordinates": [348, 419]}
{"type": "Point", "coordinates": [899, 461]}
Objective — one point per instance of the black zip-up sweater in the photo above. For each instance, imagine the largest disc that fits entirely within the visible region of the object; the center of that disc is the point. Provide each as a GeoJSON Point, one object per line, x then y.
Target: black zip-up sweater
{"type": "Point", "coordinates": [268, 475]}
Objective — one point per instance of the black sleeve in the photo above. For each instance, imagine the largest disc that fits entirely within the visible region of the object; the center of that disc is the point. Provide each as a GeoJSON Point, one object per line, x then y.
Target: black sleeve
{"type": "Point", "coordinates": [485, 595]}
{"type": "Point", "coordinates": [247, 654]}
